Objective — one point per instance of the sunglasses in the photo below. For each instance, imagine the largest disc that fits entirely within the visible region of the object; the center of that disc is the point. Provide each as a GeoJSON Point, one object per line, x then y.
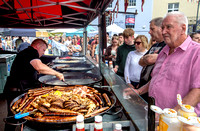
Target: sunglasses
{"type": "Point", "coordinates": [137, 43]}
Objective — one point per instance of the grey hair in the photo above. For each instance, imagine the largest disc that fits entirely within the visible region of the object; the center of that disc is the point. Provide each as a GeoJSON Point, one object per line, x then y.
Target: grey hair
{"type": "Point", "coordinates": [157, 21]}
{"type": "Point", "coordinates": [181, 18]}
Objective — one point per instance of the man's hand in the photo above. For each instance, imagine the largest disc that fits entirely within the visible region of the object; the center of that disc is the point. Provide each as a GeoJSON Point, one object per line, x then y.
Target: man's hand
{"type": "Point", "coordinates": [60, 76]}
{"type": "Point", "coordinates": [150, 59]}
{"type": "Point", "coordinates": [129, 91]}
{"type": "Point", "coordinates": [130, 85]}
{"type": "Point", "coordinates": [115, 69]}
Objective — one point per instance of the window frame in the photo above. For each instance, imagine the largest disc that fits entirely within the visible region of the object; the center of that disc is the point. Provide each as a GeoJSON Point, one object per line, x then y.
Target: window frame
{"type": "Point", "coordinates": [173, 7]}
{"type": "Point", "coordinates": [131, 6]}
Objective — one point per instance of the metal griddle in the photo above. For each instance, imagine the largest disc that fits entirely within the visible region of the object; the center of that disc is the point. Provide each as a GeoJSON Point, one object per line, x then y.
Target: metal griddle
{"type": "Point", "coordinates": [68, 61]}
{"type": "Point", "coordinates": [73, 67]}
{"type": "Point", "coordinates": [71, 78]}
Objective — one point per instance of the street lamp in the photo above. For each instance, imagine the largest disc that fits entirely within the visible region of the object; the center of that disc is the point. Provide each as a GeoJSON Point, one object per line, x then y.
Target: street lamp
{"type": "Point", "coordinates": [197, 16]}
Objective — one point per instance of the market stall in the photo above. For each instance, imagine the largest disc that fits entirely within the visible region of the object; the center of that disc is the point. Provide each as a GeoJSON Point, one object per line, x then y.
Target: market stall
{"type": "Point", "coordinates": [78, 14]}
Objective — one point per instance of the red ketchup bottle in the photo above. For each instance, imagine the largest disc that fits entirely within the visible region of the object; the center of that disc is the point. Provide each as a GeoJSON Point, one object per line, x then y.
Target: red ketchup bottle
{"type": "Point", "coordinates": [98, 126]}
{"type": "Point", "coordinates": [80, 123]}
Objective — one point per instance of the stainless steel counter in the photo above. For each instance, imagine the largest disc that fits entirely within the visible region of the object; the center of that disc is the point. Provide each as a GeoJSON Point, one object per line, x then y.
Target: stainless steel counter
{"type": "Point", "coordinates": [134, 105]}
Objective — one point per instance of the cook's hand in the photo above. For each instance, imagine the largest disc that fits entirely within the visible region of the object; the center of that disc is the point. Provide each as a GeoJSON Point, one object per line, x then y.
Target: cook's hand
{"type": "Point", "coordinates": [150, 59]}
{"type": "Point", "coordinates": [60, 76]}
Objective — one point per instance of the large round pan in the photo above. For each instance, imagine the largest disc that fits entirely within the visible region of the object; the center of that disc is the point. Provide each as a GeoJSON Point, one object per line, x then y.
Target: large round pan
{"type": "Point", "coordinates": [72, 57]}
{"type": "Point", "coordinates": [68, 61]}
{"type": "Point", "coordinates": [71, 78]}
{"type": "Point", "coordinates": [63, 125]}
{"type": "Point", "coordinates": [73, 67]}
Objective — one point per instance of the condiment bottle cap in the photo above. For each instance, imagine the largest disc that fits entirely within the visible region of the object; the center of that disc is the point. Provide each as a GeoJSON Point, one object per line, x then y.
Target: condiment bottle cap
{"type": "Point", "coordinates": [187, 108]}
{"type": "Point", "coordinates": [118, 126]}
{"type": "Point", "coordinates": [79, 118]}
{"type": "Point", "coordinates": [170, 112]}
{"type": "Point", "coordinates": [98, 118]}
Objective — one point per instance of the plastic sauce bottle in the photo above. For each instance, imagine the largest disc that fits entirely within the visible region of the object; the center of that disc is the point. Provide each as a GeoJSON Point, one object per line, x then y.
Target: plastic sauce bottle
{"type": "Point", "coordinates": [80, 123]}
{"type": "Point", "coordinates": [168, 120]}
{"type": "Point", "coordinates": [110, 64]}
{"type": "Point", "coordinates": [186, 111]}
{"type": "Point", "coordinates": [98, 126]}
{"type": "Point", "coordinates": [190, 124]}
{"type": "Point", "coordinates": [118, 127]}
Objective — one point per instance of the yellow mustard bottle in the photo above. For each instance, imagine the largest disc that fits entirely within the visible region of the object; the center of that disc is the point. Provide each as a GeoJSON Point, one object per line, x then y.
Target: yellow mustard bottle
{"type": "Point", "coordinates": [168, 120]}
{"type": "Point", "coordinates": [186, 111]}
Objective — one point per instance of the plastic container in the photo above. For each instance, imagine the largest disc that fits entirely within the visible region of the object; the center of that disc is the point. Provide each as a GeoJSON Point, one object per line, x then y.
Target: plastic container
{"type": "Point", "coordinates": [190, 124]}
{"type": "Point", "coordinates": [118, 127]}
{"type": "Point", "coordinates": [168, 120]}
{"type": "Point", "coordinates": [110, 64]}
{"type": "Point", "coordinates": [186, 111]}
{"type": "Point", "coordinates": [98, 126]}
{"type": "Point", "coordinates": [80, 123]}
{"type": "Point", "coordinates": [106, 62]}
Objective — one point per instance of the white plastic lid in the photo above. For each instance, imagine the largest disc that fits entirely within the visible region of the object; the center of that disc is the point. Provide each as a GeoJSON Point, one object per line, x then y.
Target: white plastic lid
{"type": "Point", "coordinates": [98, 118]}
{"type": "Point", "coordinates": [79, 118]}
{"type": "Point", "coordinates": [170, 112]}
{"type": "Point", "coordinates": [156, 109]}
{"type": "Point", "coordinates": [187, 108]}
{"type": "Point", "coordinates": [118, 126]}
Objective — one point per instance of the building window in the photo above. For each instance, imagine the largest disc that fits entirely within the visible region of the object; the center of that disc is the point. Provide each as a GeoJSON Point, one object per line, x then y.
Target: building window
{"type": "Point", "coordinates": [173, 7]}
{"type": "Point", "coordinates": [108, 20]}
{"type": "Point", "coordinates": [132, 3]}
{"type": "Point", "coordinates": [130, 21]}
{"type": "Point", "coordinates": [110, 5]}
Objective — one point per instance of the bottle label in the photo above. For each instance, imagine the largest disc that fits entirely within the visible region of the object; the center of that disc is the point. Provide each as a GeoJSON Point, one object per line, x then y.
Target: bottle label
{"type": "Point", "coordinates": [98, 126]}
{"type": "Point", "coordinates": [80, 125]}
{"type": "Point", "coordinates": [162, 125]}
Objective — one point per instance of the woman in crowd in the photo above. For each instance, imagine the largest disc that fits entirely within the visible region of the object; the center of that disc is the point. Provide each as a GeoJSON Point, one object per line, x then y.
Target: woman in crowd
{"type": "Point", "coordinates": [132, 68]}
{"type": "Point", "coordinates": [96, 48]}
{"type": "Point", "coordinates": [151, 42]}
{"type": "Point", "coordinates": [76, 48]}
{"type": "Point", "coordinates": [195, 37]}
{"type": "Point", "coordinates": [111, 51]}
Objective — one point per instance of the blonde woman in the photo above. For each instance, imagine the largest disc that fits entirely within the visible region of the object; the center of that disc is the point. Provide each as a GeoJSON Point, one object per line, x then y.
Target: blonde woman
{"type": "Point", "coordinates": [132, 68]}
{"type": "Point", "coordinates": [76, 48]}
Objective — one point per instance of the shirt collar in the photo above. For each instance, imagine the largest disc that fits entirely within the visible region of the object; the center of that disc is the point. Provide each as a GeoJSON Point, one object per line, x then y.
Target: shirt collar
{"type": "Point", "coordinates": [183, 46]}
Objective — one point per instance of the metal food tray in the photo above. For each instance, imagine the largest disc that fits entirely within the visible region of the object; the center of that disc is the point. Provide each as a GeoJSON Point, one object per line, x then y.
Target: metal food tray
{"type": "Point", "coordinates": [108, 126]}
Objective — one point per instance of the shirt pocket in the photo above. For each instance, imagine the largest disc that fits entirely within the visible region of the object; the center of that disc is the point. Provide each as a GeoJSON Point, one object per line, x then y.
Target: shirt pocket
{"type": "Point", "coordinates": [175, 72]}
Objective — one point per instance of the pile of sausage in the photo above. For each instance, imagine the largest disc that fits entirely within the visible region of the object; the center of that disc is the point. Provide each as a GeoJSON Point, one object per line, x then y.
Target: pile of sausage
{"type": "Point", "coordinates": [62, 104]}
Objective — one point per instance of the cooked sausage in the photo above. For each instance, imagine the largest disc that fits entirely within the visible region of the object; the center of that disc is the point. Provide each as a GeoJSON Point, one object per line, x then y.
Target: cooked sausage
{"type": "Point", "coordinates": [59, 114]}
{"type": "Point", "coordinates": [96, 112]}
{"type": "Point", "coordinates": [98, 99]}
{"type": "Point", "coordinates": [108, 102]}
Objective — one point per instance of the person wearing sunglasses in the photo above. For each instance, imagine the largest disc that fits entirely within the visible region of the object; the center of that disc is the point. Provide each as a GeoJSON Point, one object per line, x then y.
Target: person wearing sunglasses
{"type": "Point", "coordinates": [132, 68]}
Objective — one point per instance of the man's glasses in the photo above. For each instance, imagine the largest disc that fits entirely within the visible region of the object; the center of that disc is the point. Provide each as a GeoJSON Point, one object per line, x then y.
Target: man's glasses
{"type": "Point", "coordinates": [137, 43]}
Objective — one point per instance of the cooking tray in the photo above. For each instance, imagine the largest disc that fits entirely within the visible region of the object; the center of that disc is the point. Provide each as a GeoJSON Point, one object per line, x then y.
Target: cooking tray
{"type": "Point", "coordinates": [63, 125]}
{"type": "Point", "coordinates": [67, 61]}
{"type": "Point", "coordinates": [73, 67]}
{"type": "Point", "coordinates": [72, 57]}
{"type": "Point", "coordinates": [71, 78]}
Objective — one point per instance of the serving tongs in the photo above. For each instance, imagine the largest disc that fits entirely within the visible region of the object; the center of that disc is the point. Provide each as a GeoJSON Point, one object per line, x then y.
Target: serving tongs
{"type": "Point", "coordinates": [65, 82]}
{"type": "Point", "coordinates": [16, 119]}
{"type": "Point", "coordinates": [19, 115]}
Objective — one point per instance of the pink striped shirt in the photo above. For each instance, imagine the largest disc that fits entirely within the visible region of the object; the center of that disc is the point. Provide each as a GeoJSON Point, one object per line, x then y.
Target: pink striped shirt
{"type": "Point", "coordinates": [177, 73]}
